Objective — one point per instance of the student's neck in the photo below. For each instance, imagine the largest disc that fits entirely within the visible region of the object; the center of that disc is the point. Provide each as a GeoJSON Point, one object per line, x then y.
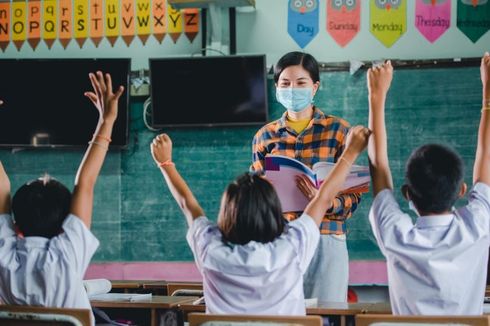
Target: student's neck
{"type": "Point", "coordinates": [303, 115]}
{"type": "Point", "coordinates": [434, 214]}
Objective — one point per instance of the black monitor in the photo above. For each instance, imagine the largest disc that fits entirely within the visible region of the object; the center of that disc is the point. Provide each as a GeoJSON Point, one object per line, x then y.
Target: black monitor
{"type": "Point", "coordinates": [44, 105]}
{"type": "Point", "coordinates": [209, 91]}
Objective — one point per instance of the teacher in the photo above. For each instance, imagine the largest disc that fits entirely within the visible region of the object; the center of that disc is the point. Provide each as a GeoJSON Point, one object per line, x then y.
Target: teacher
{"type": "Point", "coordinates": [305, 133]}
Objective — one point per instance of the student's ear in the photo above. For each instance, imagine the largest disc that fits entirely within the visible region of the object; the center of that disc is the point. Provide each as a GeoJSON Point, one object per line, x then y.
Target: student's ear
{"type": "Point", "coordinates": [463, 189]}
{"type": "Point", "coordinates": [404, 190]}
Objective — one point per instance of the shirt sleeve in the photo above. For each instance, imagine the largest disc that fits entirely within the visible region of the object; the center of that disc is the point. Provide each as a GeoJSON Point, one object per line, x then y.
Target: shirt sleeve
{"type": "Point", "coordinates": [388, 222]}
{"type": "Point", "coordinates": [258, 154]}
{"type": "Point", "coordinates": [199, 236]}
{"type": "Point", "coordinates": [76, 243]}
{"type": "Point", "coordinates": [305, 235]}
{"type": "Point", "coordinates": [343, 206]}
{"type": "Point", "coordinates": [6, 226]}
{"type": "Point", "coordinates": [479, 204]}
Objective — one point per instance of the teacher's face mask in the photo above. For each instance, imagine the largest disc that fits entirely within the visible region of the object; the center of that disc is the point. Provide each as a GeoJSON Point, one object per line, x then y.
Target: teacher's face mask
{"type": "Point", "coordinates": [295, 99]}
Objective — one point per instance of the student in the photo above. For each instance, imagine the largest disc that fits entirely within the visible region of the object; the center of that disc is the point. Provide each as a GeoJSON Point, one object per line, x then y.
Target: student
{"type": "Point", "coordinates": [47, 246]}
{"type": "Point", "coordinates": [253, 261]}
{"type": "Point", "coordinates": [305, 133]}
{"type": "Point", "coordinates": [436, 266]}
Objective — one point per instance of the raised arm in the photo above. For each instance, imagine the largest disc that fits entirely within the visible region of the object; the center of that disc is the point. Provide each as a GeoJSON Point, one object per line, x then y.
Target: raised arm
{"type": "Point", "coordinates": [379, 81]}
{"type": "Point", "coordinates": [4, 191]}
{"type": "Point", "coordinates": [356, 142]}
{"type": "Point", "coordinates": [481, 169]}
{"type": "Point", "coordinates": [105, 100]}
{"type": "Point", "coordinates": [161, 150]}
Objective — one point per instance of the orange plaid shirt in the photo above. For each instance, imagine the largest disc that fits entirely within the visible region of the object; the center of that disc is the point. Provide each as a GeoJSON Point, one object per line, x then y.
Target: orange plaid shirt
{"type": "Point", "coordinates": [322, 140]}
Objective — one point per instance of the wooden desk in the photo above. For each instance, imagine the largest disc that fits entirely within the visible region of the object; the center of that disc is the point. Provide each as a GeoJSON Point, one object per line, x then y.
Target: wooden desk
{"type": "Point", "coordinates": [147, 310]}
{"type": "Point", "coordinates": [156, 287]}
{"type": "Point", "coordinates": [348, 310]}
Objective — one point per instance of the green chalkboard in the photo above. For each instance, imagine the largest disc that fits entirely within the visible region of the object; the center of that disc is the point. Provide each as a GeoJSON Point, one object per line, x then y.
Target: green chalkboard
{"type": "Point", "coordinates": [136, 219]}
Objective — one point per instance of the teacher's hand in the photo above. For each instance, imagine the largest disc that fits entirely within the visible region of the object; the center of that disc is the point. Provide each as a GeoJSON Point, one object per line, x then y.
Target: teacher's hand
{"type": "Point", "coordinates": [306, 187]}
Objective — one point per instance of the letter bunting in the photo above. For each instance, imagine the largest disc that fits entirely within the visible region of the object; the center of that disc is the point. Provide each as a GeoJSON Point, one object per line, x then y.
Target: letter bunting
{"type": "Point", "coordinates": [33, 21]}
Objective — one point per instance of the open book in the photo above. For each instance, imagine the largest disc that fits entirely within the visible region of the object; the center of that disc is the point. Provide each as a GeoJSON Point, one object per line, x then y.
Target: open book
{"type": "Point", "coordinates": [281, 171]}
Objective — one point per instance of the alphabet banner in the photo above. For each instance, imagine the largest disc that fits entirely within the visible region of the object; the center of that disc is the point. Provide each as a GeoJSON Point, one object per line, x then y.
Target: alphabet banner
{"type": "Point", "coordinates": [81, 21]}
{"type": "Point", "coordinates": [65, 26]}
{"type": "Point", "coordinates": [191, 23]}
{"type": "Point", "coordinates": [343, 20]}
{"type": "Point", "coordinates": [33, 23]}
{"type": "Point", "coordinates": [432, 18]}
{"type": "Point", "coordinates": [4, 24]}
{"type": "Point", "coordinates": [159, 19]}
{"type": "Point", "coordinates": [19, 20]}
{"type": "Point", "coordinates": [113, 19]}
{"type": "Point", "coordinates": [96, 21]}
{"type": "Point", "coordinates": [127, 18]}
{"type": "Point", "coordinates": [143, 26]}
{"type": "Point", "coordinates": [50, 18]}
{"type": "Point", "coordinates": [388, 20]}
{"type": "Point", "coordinates": [473, 18]}
{"type": "Point", "coordinates": [303, 20]}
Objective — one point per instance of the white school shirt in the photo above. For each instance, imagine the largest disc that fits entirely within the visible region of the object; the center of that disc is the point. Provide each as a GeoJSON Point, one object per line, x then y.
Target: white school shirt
{"type": "Point", "coordinates": [439, 265]}
{"type": "Point", "coordinates": [255, 278]}
{"type": "Point", "coordinates": [46, 272]}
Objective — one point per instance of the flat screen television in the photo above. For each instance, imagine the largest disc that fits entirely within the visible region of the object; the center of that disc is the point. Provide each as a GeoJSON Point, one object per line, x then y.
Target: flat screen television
{"type": "Point", "coordinates": [44, 105]}
{"type": "Point", "coordinates": [208, 91]}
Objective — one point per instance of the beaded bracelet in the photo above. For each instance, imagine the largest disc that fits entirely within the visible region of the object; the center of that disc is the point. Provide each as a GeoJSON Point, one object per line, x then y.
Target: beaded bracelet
{"type": "Point", "coordinates": [93, 142]}
{"type": "Point", "coordinates": [102, 137]}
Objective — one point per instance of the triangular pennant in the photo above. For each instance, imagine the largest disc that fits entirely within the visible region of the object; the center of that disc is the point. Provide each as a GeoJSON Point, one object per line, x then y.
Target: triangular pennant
{"type": "Point", "coordinates": [432, 18]}
{"type": "Point", "coordinates": [50, 21]}
{"type": "Point", "coordinates": [81, 21]}
{"type": "Point", "coordinates": [473, 18]}
{"type": "Point", "coordinates": [343, 20]}
{"type": "Point", "coordinates": [19, 21]}
{"type": "Point", "coordinates": [96, 21]}
{"type": "Point", "coordinates": [65, 26]}
{"type": "Point", "coordinates": [191, 23]}
{"type": "Point", "coordinates": [113, 20]}
{"type": "Point", "coordinates": [33, 23]}
{"type": "Point", "coordinates": [159, 19]}
{"type": "Point", "coordinates": [175, 25]}
{"type": "Point", "coordinates": [4, 24]}
{"type": "Point", "coordinates": [143, 24]}
{"type": "Point", "coordinates": [388, 21]}
{"type": "Point", "coordinates": [127, 21]}
{"type": "Point", "coordinates": [303, 20]}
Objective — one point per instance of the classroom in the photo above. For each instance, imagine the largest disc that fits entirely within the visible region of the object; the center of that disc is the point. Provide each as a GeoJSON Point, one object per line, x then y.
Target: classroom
{"type": "Point", "coordinates": [171, 53]}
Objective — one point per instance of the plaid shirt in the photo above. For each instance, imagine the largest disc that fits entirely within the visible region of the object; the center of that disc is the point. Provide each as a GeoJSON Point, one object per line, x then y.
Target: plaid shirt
{"type": "Point", "coordinates": [322, 140]}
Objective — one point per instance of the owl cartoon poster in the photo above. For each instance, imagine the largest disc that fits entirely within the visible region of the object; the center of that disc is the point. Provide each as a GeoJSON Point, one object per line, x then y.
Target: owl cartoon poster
{"type": "Point", "coordinates": [432, 18]}
{"type": "Point", "coordinates": [303, 20]}
{"type": "Point", "coordinates": [388, 20]}
{"type": "Point", "coordinates": [473, 18]}
{"type": "Point", "coordinates": [343, 20]}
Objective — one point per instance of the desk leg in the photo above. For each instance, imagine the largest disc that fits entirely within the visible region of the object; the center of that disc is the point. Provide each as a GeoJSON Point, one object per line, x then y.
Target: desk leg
{"type": "Point", "coordinates": [154, 317]}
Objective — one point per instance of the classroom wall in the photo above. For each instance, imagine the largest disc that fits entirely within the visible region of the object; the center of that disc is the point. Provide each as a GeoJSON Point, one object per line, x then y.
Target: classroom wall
{"type": "Point", "coordinates": [134, 216]}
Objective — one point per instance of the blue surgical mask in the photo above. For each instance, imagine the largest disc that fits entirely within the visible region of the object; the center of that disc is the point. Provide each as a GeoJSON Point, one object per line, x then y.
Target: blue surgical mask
{"type": "Point", "coordinates": [295, 99]}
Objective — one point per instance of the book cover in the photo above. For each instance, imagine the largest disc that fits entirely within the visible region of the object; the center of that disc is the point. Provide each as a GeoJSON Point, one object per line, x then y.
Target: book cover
{"type": "Point", "coordinates": [282, 171]}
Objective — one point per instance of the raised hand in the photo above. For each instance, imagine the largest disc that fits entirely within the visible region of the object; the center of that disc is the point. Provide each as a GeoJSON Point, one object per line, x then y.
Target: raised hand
{"type": "Point", "coordinates": [103, 97]}
{"type": "Point", "coordinates": [357, 139]}
{"type": "Point", "coordinates": [379, 79]}
{"type": "Point", "coordinates": [161, 149]}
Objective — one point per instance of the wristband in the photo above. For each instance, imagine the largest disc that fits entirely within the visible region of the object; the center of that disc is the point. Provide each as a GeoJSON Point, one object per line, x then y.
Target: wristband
{"type": "Point", "coordinates": [102, 137]}
{"type": "Point", "coordinates": [166, 163]}
{"type": "Point", "coordinates": [93, 142]}
{"type": "Point", "coordinates": [346, 161]}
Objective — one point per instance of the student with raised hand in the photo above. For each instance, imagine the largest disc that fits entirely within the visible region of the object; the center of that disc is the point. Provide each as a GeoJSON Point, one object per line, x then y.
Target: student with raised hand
{"type": "Point", "coordinates": [47, 246]}
{"type": "Point", "coordinates": [436, 266]}
{"type": "Point", "coordinates": [253, 260]}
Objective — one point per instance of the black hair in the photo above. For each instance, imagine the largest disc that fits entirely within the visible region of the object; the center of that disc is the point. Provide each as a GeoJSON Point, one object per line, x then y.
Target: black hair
{"type": "Point", "coordinates": [434, 176]}
{"type": "Point", "coordinates": [250, 211]}
{"type": "Point", "coordinates": [40, 207]}
{"type": "Point", "coordinates": [307, 61]}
